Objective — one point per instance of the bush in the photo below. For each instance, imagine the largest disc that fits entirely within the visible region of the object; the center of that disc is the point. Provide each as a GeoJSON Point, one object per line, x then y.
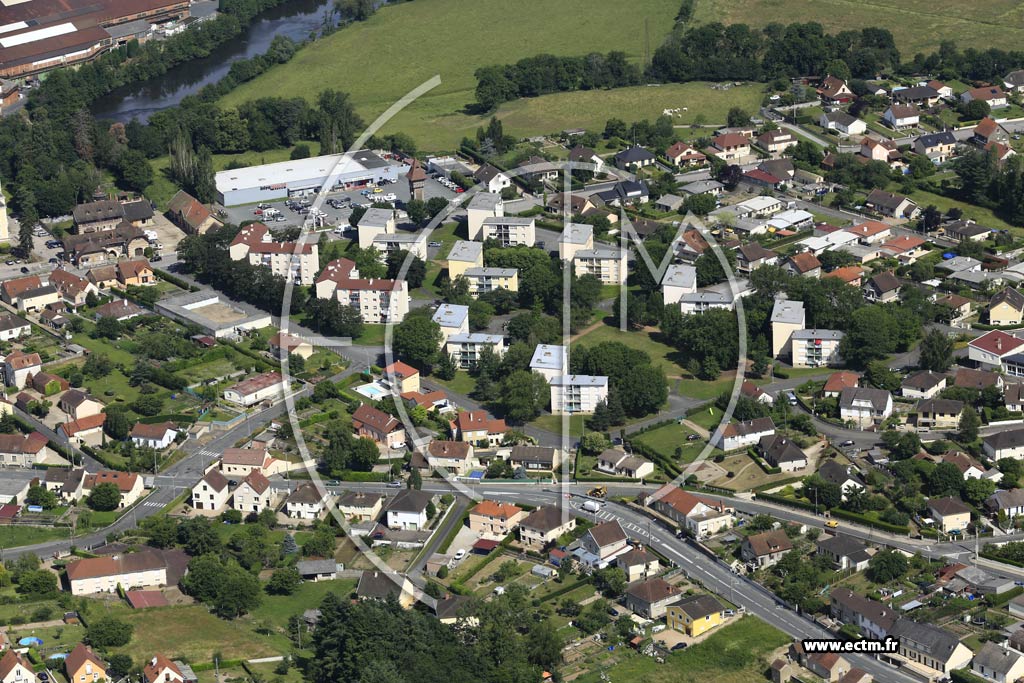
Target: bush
{"type": "Point", "coordinates": [109, 632]}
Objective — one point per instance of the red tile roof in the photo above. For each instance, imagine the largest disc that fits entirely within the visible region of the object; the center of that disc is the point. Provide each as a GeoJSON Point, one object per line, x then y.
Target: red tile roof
{"type": "Point", "coordinates": [996, 342]}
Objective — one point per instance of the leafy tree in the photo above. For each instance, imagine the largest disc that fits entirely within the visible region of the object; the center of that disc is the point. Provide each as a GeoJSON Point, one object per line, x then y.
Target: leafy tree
{"type": "Point", "coordinates": [320, 544]}
{"type": "Point", "coordinates": [41, 496]}
{"type": "Point", "coordinates": [886, 566]}
{"type": "Point", "coordinates": [936, 351]}
{"type": "Point", "coordinates": [284, 581]}
{"type": "Point", "coordinates": [104, 497]}
{"type": "Point", "coordinates": [39, 582]}
{"type": "Point", "coordinates": [824, 493]}
{"type": "Point", "coordinates": [107, 328]}
{"type": "Point", "coordinates": [417, 340]}
{"type": "Point", "coordinates": [945, 480]}
{"type": "Point", "coordinates": [161, 531]}
{"type": "Point", "coordinates": [416, 272]}
{"type": "Point", "coordinates": [107, 632]}
{"type": "Point", "coordinates": [975, 491]}
{"type": "Point", "coordinates": [523, 395]}
{"type": "Point", "coordinates": [737, 118]}
{"type": "Point", "coordinates": [970, 423]}
{"type": "Point", "coordinates": [198, 537]}
{"type": "Point", "coordinates": [611, 581]}
{"type": "Point", "coordinates": [700, 204]}
{"type": "Point", "coordinates": [901, 445]}
{"type": "Point", "coordinates": [594, 442]}
{"type": "Point", "coordinates": [119, 665]}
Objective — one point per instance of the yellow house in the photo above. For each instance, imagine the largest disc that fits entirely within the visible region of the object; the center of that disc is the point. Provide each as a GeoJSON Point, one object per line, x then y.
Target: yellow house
{"type": "Point", "coordinates": [403, 377]}
{"type": "Point", "coordinates": [1006, 307]}
{"type": "Point", "coordinates": [83, 666]}
{"type": "Point", "coordinates": [695, 615]}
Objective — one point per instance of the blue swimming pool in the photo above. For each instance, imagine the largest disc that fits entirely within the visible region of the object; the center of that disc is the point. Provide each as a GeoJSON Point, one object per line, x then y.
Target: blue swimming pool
{"type": "Point", "coordinates": [373, 391]}
{"type": "Point", "coordinates": [30, 641]}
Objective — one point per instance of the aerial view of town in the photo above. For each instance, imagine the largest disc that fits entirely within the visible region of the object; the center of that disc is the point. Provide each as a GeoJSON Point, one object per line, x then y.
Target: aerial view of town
{"type": "Point", "coordinates": [437, 341]}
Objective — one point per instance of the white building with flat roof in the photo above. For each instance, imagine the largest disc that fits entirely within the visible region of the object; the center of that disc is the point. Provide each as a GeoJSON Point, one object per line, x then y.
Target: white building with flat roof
{"type": "Point", "coordinates": [483, 205]}
{"type": "Point", "coordinates": [575, 236]}
{"type": "Point", "coordinates": [606, 264]}
{"type": "Point", "coordinates": [788, 316]}
{"type": "Point", "coordinates": [484, 280]}
{"type": "Point", "coordinates": [510, 231]}
{"type": "Point", "coordinates": [680, 279]}
{"type": "Point", "coordinates": [464, 255]}
{"type": "Point", "coordinates": [466, 349]}
{"type": "Point", "coordinates": [550, 360]}
{"type": "Point", "coordinates": [575, 394]}
{"type": "Point", "coordinates": [390, 243]}
{"type": "Point", "coordinates": [815, 348]}
{"type": "Point", "coordinates": [453, 319]}
{"type": "Point", "coordinates": [298, 177]}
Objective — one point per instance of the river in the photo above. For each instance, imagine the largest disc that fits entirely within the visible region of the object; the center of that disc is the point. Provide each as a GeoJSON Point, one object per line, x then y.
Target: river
{"type": "Point", "coordinates": [295, 19]}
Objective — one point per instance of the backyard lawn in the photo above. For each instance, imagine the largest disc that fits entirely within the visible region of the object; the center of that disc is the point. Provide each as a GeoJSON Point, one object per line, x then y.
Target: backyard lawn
{"type": "Point", "coordinates": [11, 536]}
{"type": "Point", "coordinates": [666, 439]}
{"type": "Point", "coordinates": [463, 383]}
{"type": "Point", "coordinates": [553, 423]}
{"type": "Point", "coordinates": [276, 609]}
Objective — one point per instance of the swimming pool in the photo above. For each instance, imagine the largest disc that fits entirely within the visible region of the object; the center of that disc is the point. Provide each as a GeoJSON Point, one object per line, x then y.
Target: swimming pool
{"type": "Point", "coordinates": [372, 391]}
{"type": "Point", "coordinates": [30, 641]}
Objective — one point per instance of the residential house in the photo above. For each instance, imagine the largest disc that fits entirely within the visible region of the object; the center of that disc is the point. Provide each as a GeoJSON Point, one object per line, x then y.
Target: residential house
{"type": "Point", "coordinates": [900, 116]}
{"type": "Point", "coordinates": [650, 599]}
{"type": "Point", "coordinates": [736, 435]}
{"type": "Point", "coordinates": [73, 289]}
{"type": "Point", "coordinates": [881, 150]}
{"type": "Point", "coordinates": [843, 476]}
{"type": "Point", "coordinates": [780, 451]}
{"type": "Point", "coordinates": [950, 514]}
{"type": "Point", "coordinates": [282, 345]}
{"type": "Point", "coordinates": [930, 646]}
{"type": "Point", "coordinates": [828, 666]}
{"type": "Point", "coordinates": [211, 493]}
{"type": "Point", "coordinates": [845, 552]}
{"type": "Point", "coordinates": [605, 540]}
{"type": "Point", "coordinates": [305, 502]}
{"type": "Point", "coordinates": [377, 300]}
{"type": "Point", "coordinates": [634, 158]}
{"type": "Point", "coordinates": [78, 404]}
{"type": "Point", "coordinates": [1009, 503]}
{"type": "Point", "coordinates": [492, 179]}
{"type": "Point", "coordinates": [120, 310]}
{"type": "Point", "coordinates": [20, 366]}
{"type": "Point", "coordinates": [882, 288]}
{"type": "Point", "coordinates": [584, 155]}
{"type": "Point", "coordinates": [729, 147]}
{"type": "Point", "coordinates": [16, 669]}
{"type": "Point", "coordinates": [1006, 308]}
{"type": "Point", "coordinates": [375, 424]}
{"type": "Point", "coordinates": [158, 436]}
{"type": "Point", "coordinates": [835, 91]}
{"type": "Point", "coordinates": [959, 309]}
{"type": "Point", "coordinates": [804, 264]}
{"type": "Point", "coordinates": [842, 123]}
{"type": "Point", "coordinates": [979, 380]}
{"type": "Point", "coordinates": [66, 482]}
{"type": "Point", "coordinates": [23, 450]}
{"type": "Point", "coordinates": [129, 484]}
{"type": "Point", "coordinates": [775, 142]}
{"type": "Point", "coordinates": [815, 348]}
{"type": "Point", "coordinates": [923, 384]}
{"type": "Point", "coordinates": [102, 277]}
{"type": "Point", "coordinates": [906, 248]}
{"type": "Point", "coordinates": [478, 428]}
{"type": "Point", "coordinates": [864, 406]}
{"type": "Point", "coordinates": [751, 256]}
{"type": "Point", "coordinates": [253, 495]}
{"type": "Point", "coordinates": [239, 462]}
{"type": "Point", "coordinates": [11, 290]}
{"type": "Point", "coordinates": [921, 95]}
{"type": "Point", "coordinates": [87, 431]}
{"type": "Point", "coordinates": [617, 462]}
{"type": "Point", "coordinates": [712, 187]}
{"type": "Point", "coordinates": [966, 230]}
{"type": "Point", "coordinates": [992, 95]}
{"type": "Point", "coordinates": [317, 570]}
{"type": "Point", "coordinates": [939, 414]}
{"type": "Point", "coordinates": [838, 381]}
{"type": "Point", "coordinates": [159, 669]}
{"type": "Point", "coordinates": [891, 205]}
{"type": "Point", "coordinates": [937, 147]}
{"type": "Point", "coordinates": [35, 300]}
{"type": "Point", "coordinates": [495, 519]}
{"type": "Point", "coordinates": [128, 570]}
{"type": "Point", "coordinates": [544, 525]}
{"type": "Point", "coordinates": [1007, 443]}
{"type": "Point", "coordinates": [83, 666]}
{"type": "Point", "coordinates": [535, 458]}
{"type": "Point", "coordinates": [873, 619]}
{"type": "Point", "coordinates": [402, 377]}
{"type": "Point", "coordinates": [453, 457]}
{"type": "Point", "coordinates": [638, 564]}
{"type": "Point", "coordinates": [135, 273]}
{"type": "Point", "coordinates": [360, 506]}
{"type": "Point", "coordinates": [1014, 80]}
{"type": "Point", "coordinates": [992, 348]}
{"type": "Point", "coordinates": [190, 215]}
{"type": "Point", "coordinates": [383, 586]}
{"type": "Point", "coordinates": [1013, 398]}
{"type": "Point", "coordinates": [998, 663]}
{"type": "Point", "coordinates": [988, 132]}
{"type": "Point", "coordinates": [682, 154]}
{"type": "Point", "coordinates": [408, 510]}
{"type": "Point", "coordinates": [695, 615]}
{"type": "Point", "coordinates": [766, 548]}
{"type": "Point", "coordinates": [256, 389]}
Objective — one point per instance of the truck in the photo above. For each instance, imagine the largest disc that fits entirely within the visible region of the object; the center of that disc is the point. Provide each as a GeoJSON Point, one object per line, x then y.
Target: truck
{"type": "Point", "coordinates": [598, 492]}
{"type": "Point", "coordinates": [591, 506]}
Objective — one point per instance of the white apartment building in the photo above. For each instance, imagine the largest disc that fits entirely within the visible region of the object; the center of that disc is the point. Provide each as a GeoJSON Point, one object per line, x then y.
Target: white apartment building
{"type": "Point", "coordinates": [483, 280]}
{"type": "Point", "coordinates": [607, 265]}
{"type": "Point", "coordinates": [550, 360]}
{"type": "Point", "coordinates": [574, 237]}
{"type": "Point", "coordinates": [453, 319]}
{"type": "Point", "coordinates": [467, 348]}
{"type": "Point", "coordinates": [378, 301]}
{"type": "Point", "coordinates": [389, 243]}
{"type": "Point", "coordinates": [484, 205]}
{"type": "Point", "coordinates": [296, 262]}
{"type": "Point", "coordinates": [574, 394]}
{"type": "Point", "coordinates": [510, 231]}
{"type": "Point", "coordinates": [680, 279]}
{"type": "Point", "coordinates": [815, 348]}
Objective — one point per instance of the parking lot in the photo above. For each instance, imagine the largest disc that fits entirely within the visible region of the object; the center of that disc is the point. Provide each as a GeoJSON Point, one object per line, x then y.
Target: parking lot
{"type": "Point", "coordinates": [285, 216]}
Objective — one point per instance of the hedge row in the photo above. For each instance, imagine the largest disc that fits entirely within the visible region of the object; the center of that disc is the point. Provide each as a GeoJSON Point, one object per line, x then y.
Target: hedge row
{"type": "Point", "coordinates": [765, 467]}
{"type": "Point", "coordinates": [999, 558]}
{"type": "Point", "coordinates": [586, 580]}
{"type": "Point", "coordinates": [175, 280]}
{"type": "Point", "coordinates": [782, 500]}
{"type": "Point", "coordinates": [867, 521]}
{"type": "Point", "coordinates": [1003, 598]}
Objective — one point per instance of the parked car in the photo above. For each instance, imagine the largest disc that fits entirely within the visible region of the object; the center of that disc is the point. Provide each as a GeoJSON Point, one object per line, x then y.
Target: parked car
{"type": "Point", "coordinates": [396, 484]}
{"type": "Point", "coordinates": [678, 646]}
{"type": "Point", "coordinates": [692, 437]}
{"type": "Point", "coordinates": [459, 554]}
{"type": "Point", "coordinates": [434, 244]}
{"type": "Point", "coordinates": [848, 442]}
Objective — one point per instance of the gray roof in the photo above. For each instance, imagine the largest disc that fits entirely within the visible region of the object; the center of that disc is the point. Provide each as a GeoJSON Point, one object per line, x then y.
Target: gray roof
{"type": "Point", "coordinates": [959, 263]}
{"type": "Point", "coordinates": [840, 117]}
{"type": "Point", "coordinates": [1002, 500]}
{"type": "Point", "coordinates": [705, 296]}
{"type": "Point", "coordinates": [1010, 296]}
{"type": "Point", "coordinates": [937, 139]}
{"type": "Point", "coordinates": [307, 567]}
{"type": "Point", "coordinates": [545, 519]}
{"type": "Point", "coordinates": [485, 201]}
{"type": "Point", "coordinates": [701, 186]}
{"type": "Point", "coordinates": [358, 499]}
{"type": "Point", "coordinates": [917, 92]}
{"type": "Point", "coordinates": [788, 311]}
{"type": "Point", "coordinates": [879, 398]}
{"type": "Point", "coordinates": [834, 335]}
{"type": "Point", "coordinates": [841, 545]}
{"type": "Point", "coordinates": [508, 220]}
{"type": "Point", "coordinates": [548, 357]}
{"type": "Point", "coordinates": [601, 253]}
{"type": "Point", "coordinates": [995, 658]}
{"type": "Point", "coordinates": [633, 155]}
{"type": "Point", "coordinates": [1011, 438]}
{"type": "Point", "coordinates": [476, 338]}
{"type": "Point", "coordinates": [943, 406]}
{"type": "Point", "coordinates": [538, 454]}
{"type": "Point", "coordinates": [932, 640]}
{"type": "Point", "coordinates": [778, 449]}
{"type": "Point", "coordinates": [380, 585]}
{"type": "Point", "coordinates": [376, 218]}
{"type": "Point", "coordinates": [490, 272]}
{"type": "Point", "coordinates": [834, 473]}
{"type": "Point", "coordinates": [409, 500]}
{"type": "Point", "coordinates": [680, 276]}
{"type": "Point", "coordinates": [924, 380]}
{"type": "Point", "coordinates": [11, 322]}
{"type": "Point", "coordinates": [873, 610]}
{"type": "Point", "coordinates": [700, 606]}
{"type": "Point", "coordinates": [14, 481]}
{"type": "Point", "coordinates": [450, 315]}
{"type": "Point", "coordinates": [464, 250]}
{"type": "Point", "coordinates": [576, 233]}
{"type": "Point", "coordinates": [580, 380]}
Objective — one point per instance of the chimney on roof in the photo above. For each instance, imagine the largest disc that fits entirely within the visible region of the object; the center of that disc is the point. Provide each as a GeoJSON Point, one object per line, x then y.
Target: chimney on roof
{"type": "Point", "coordinates": [153, 661]}
{"type": "Point", "coordinates": [999, 344]}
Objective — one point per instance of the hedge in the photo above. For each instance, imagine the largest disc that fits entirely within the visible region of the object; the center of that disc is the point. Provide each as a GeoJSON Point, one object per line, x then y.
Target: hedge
{"type": "Point", "coordinates": [585, 581]}
{"type": "Point", "coordinates": [224, 664]}
{"type": "Point", "coordinates": [867, 521]}
{"type": "Point", "coordinates": [175, 280]}
{"type": "Point", "coordinates": [1003, 598]}
{"type": "Point", "coordinates": [964, 676]}
{"type": "Point", "coordinates": [170, 417]}
{"type": "Point", "coordinates": [782, 500]}
{"type": "Point", "coordinates": [998, 558]}
{"type": "Point", "coordinates": [765, 467]}
{"type": "Point", "coordinates": [443, 548]}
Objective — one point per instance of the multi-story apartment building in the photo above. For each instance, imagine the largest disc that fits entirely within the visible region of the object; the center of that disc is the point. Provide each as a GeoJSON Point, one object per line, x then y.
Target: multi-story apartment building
{"type": "Point", "coordinates": [510, 231]}
{"type": "Point", "coordinates": [607, 265]}
{"type": "Point", "coordinates": [484, 205]}
{"type": "Point", "coordinates": [815, 348]}
{"type": "Point", "coordinates": [577, 393]}
{"type": "Point", "coordinates": [466, 348]}
{"type": "Point", "coordinates": [296, 262]}
{"type": "Point", "coordinates": [483, 280]}
{"type": "Point", "coordinates": [378, 301]}
{"type": "Point", "coordinates": [575, 236]}
{"type": "Point", "coordinates": [463, 256]}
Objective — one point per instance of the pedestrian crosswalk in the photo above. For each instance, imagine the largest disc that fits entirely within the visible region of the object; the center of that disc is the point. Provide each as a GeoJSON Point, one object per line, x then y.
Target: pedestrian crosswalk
{"type": "Point", "coordinates": [152, 504]}
{"type": "Point", "coordinates": [207, 453]}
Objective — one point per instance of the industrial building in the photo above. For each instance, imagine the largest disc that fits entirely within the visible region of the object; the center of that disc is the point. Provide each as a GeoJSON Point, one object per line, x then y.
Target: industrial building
{"type": "Point", "coordinates": [299, 177]}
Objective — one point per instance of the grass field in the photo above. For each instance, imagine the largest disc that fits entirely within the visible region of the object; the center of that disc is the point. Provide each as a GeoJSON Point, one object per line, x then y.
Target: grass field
{"type": "Point", "coordinates": [736, 653]}
{"type": "Point", "coordinates": [13, 536]}
{"type": "Point", "coordinates": [276, 609]}
{"type": "Point", "coordinates": [917, 25]}
{"type": "Point", "coordinates": [661, 354]}
{"type": "Point", "coordinates": [666, 439]}
{"type": "Point", "coordinates": [388, 55]}
{"type": "Point", "coordinates": [553, 423]}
